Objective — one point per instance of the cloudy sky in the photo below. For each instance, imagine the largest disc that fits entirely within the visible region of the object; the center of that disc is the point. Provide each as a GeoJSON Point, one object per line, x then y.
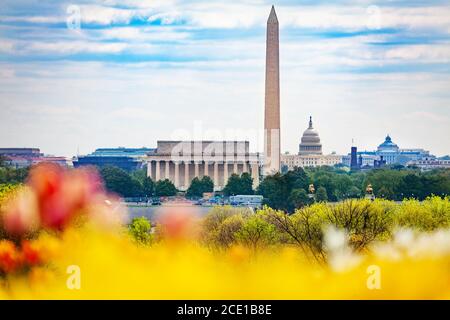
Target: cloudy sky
{"type": "Point", "coordinates": [79, 75]}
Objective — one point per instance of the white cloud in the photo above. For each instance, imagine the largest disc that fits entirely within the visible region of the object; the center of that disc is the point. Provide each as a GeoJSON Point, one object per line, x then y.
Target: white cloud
{"type": "Point", "coordinates": [72, 47]}
{"type": "Point", "coordinates": [429, 53]}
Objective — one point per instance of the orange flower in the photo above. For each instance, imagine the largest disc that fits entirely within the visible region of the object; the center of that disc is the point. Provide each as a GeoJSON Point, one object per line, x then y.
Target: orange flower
{"type": "Point", "coordinates": [10, 257]}
{"type": "Point", "coordinates": [45, 179]}
{"type": "Point", "coordinates": [31, 253]}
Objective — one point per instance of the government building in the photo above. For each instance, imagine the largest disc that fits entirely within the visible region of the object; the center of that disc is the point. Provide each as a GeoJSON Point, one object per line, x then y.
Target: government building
{"type": "Point", "coordinates": [310, 152]}
{"type": "Point", "coordinates": [389, 153]}
{"type": "Point", "coordinates": [182, 161]}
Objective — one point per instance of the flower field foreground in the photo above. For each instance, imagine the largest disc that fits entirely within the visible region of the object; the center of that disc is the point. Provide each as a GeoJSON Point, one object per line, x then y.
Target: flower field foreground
{"type": "Point", "coordinates": [63, 237]}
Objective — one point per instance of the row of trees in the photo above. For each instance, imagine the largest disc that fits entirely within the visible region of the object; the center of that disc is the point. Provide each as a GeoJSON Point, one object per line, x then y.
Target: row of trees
{"type": "Point", "coordinates": [363, 222]}
{"type": "Point", "coordinates": [11, 175]}
{"type": "Point", "coordinates": [290, 190]}
{"type": "Point", "coordinates": [286, 191]}
{"type": "Point", "coordinates": [135, 184]}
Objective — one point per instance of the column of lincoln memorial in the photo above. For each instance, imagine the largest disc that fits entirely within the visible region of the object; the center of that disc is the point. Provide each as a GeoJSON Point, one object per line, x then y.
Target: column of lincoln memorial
{"type": "Point", "coordinates": [181, 161]}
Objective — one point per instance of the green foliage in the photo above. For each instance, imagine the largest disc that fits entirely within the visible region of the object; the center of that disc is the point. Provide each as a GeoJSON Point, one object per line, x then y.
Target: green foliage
{"type": "Point", "coordinates": [239, 185]}
{"type": "Point", "coordinates": [140, 229]}
{"type": "Point", "coordinates": [220, 225]}
{"type": "Point", "coordinates": [275, 191]}
{"type": "Point", "coordinates": [298, 199]}
{"type": "Point", "coordinates": [120, 182]}
{"type": "Point", "coordinates": [256, 233]}
{"type": "Point", "coordinates": [354, 192]}
{"type": "Point", "coordinates": [365, 222]}
{"type": "Point", "coordinates": [285, 191]}
{"type": "Point", "coordinates": [321, 195]}
{"type": "Point", "coordinates": [7, 190]}
{"type": "Point", "coordinates": [139, 175]}
{"type": "Point", "coordinates": [227, 232]}
{"type": "Point", "coordinates": [200, 186]}
{"type": "Point", "coordinates": [165, 188]}
{"type": "Point", "coordinates": [391, 183]}
{"type": "Point", "coordinates": [10, 175]}
{"type": "Point", "coordinates": [148, 187]}
{"type": "Point", "coordinates": [431, 214]}
{"type": "Point", "coordinates": [297, 179]}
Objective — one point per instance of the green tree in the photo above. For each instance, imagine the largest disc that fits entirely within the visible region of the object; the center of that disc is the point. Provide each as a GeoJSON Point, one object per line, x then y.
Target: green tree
{"type": "Point", "coordinates": [275, 192]}
{"type": "Point", "coordinates": [148, 187]}
{"type": "Point", "coordinates": [140, 229]}
{"type": "Point", "coordinates": [411, 186]}
{"type": "Point", "coordinates": [354, 192]}
{"type": "Point", "coordinates": [239, 185]}
{"type": "Point", "coordinates": [10, 175]}
{"type": "Point", "coordinates": [321, 195]}
{"type": "Point", "coordinates": [120, 182]}
{"type": "Point", "coordinates": [343, 184]}
{"type": "Point", "coordinates": [200, 186]}
{"type": "Point", "coordinates": [165, 188]}
{"type": "Point", "coordinates": [139, 175]}
{"type": "Point", "coordinates": [298, 199]}
{"type": "Point", "coordinates": [256, 233]}
{"type": "Point", "coordinates": [386, 183]}
{"type": "Point", "coordinates": [297, 179]}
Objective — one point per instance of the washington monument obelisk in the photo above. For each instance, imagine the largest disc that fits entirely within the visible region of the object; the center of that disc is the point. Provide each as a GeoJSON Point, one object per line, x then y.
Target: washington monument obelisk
{"type": "Point", "coordinates": [272, 101]}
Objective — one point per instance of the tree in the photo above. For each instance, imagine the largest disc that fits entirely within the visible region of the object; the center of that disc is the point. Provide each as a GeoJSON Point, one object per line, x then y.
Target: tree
{"type": "Point", "coordinates": [200, 186]}
{"type": "Point", "coordinates": [354, 192]}
{"type": "Point", "coordinates": [321, 195]}
{"type": "Point", "coordinates": [2, 161]}
{"type": "Point", "coordinates": [386, 183]}
{"type": "Point", "coordinates": [326, 180]}
{"type": "Point", "coordinates": [297, 179]}
{"type": "Point", "coordinates": [411, 187]}
{"type": "Point", "coordinates": [239, 185]}
{"type": "Point", "coordinates": [139, 174]}
{"type": "Point", "coordinates": [11, 175]}
{"type": "Point", "coordinates": [298, 199]}
{"type": "Point", "coordinates": [246, 184]}
{"type": "Point", "coordinates": [363, 221]}
{"type": "Point", "coordinates": [148, 187]}
{"type": "Point", "coordinates": [120, 182]}
{"type": "Point", "coordinates": [140, 229]}
{"type": "Point", "coordinates": [343, 184]}
{"type": "Point", "coordinates": [165, 188]}
{"type": "Point", "coordinates": [275, 192]}
{"type": "Point", "coordinates": [256, 233]}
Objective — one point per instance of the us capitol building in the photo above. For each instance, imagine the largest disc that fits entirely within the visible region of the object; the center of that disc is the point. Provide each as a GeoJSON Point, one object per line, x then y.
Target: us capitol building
{"type": "Point", "coordinates": [310, 152]}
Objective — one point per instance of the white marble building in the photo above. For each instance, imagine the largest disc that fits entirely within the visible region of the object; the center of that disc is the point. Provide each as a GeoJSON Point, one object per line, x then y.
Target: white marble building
{"type": "Point", "coordinates": [181, 161]}
{"type": "Point", "coordinates": [310, 152]}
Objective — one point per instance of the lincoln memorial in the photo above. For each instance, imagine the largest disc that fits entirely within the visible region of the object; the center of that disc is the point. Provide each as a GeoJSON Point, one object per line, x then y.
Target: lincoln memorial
{"type": "Point", "coordinates": [181, 161]}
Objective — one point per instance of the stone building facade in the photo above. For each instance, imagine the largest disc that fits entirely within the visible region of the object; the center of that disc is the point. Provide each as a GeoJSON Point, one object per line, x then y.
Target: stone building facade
{"type": "Point", "coordinates": [310, 152]}
{"type": "Point", "coordinates": [182, 161]}
{"type": "Point", "coordinates": [311, 160]}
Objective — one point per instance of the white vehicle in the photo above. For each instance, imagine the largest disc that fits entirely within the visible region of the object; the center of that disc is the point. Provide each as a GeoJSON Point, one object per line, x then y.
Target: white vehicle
{"type": "Point", "coordinates": [246, 201]}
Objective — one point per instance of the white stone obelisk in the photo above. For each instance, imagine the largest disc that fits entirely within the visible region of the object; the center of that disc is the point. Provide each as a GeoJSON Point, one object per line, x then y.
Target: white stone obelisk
{"type": "Point", "coordinates": [272, 100]}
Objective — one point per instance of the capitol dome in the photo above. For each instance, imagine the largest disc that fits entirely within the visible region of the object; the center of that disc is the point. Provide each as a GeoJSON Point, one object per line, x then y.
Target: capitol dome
{"type": "Point", "coordinates": [310, 143]}
{"type": "Point", "coordinates": [388, 145]}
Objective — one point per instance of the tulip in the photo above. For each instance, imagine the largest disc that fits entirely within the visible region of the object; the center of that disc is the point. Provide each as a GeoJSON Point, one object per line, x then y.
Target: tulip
{"type": "Point", "coordinates": [21, 213]}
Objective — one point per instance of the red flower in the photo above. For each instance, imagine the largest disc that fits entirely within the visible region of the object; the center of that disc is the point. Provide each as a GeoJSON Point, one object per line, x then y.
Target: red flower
{"type": "Point", "coordinates": [30, 253]}
{"type": "Point", "coordinates": [63, 194]}
{"type": "Point", "coordinates": [10, 257]}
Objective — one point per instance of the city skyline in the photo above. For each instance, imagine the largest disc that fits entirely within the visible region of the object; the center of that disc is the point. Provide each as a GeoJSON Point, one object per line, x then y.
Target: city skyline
{"type": "Point", "coordinates": [361, 71]}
